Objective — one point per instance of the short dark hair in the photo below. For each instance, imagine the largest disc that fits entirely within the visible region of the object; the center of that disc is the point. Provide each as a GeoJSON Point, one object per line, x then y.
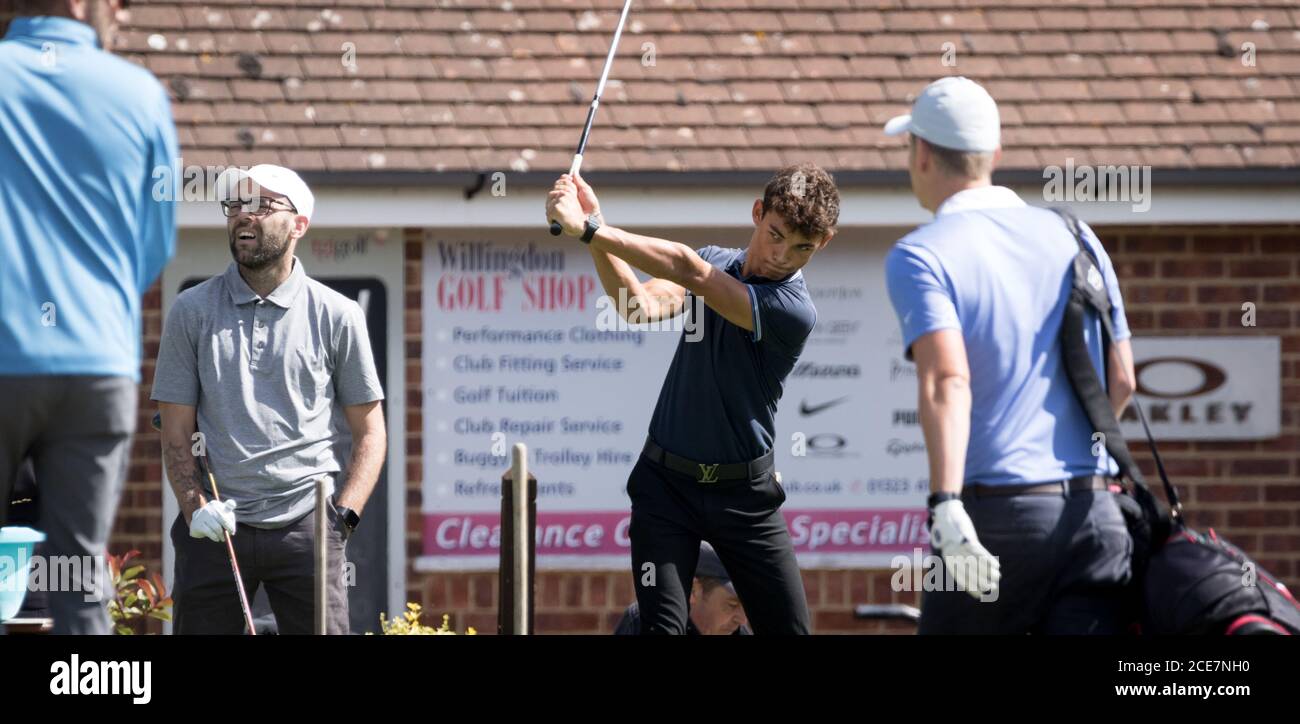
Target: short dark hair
{"type": "Point", "coordinates": [806, 197]}
{"type": "Point", "coordinates": [708, 583]}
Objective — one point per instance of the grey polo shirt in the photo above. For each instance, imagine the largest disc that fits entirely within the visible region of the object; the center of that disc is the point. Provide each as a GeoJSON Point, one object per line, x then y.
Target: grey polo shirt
{"type": "Point", "coordinates": [269, 378]}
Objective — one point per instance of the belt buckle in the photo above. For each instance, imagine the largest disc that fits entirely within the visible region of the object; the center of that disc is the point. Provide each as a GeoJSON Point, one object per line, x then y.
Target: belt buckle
{"type": "Point", "coordinates": [708, 473]}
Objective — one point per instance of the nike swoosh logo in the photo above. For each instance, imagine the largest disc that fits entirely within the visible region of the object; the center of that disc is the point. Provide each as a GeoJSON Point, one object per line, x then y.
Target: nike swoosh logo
{"type": "Point", "coordinates": [806, 411]}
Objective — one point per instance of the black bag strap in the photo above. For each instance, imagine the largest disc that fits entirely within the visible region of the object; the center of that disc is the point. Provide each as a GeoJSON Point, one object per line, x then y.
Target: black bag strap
{"type": "Point", "coordinates": [1088, 292]}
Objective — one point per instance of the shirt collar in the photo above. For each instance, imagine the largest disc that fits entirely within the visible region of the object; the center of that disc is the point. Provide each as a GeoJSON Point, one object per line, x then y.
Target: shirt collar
{"type": "Point", "coordinates": [283, 296]}
{"type": "Point", "coordinates": [979, 198]}
{"type": "Point", "coordinates": [66, 30]}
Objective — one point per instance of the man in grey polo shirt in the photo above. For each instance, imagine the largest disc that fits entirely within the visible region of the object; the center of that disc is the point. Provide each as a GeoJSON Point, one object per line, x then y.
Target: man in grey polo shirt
{"type": "Point", "coordinates": [274, 371]}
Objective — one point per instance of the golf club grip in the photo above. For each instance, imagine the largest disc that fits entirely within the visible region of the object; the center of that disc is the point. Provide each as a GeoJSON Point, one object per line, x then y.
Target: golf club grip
{"type": "Point", "coordinates": [576, 164]}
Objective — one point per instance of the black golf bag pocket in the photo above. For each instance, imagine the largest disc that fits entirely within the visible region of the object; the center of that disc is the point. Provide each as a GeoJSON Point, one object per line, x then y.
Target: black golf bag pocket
{"type": "Point", "coordinates": [1200, 584]}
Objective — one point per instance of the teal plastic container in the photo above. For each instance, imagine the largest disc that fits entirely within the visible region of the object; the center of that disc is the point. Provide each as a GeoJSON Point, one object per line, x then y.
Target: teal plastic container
{"type": "Point", "coordinates": [16, 545]}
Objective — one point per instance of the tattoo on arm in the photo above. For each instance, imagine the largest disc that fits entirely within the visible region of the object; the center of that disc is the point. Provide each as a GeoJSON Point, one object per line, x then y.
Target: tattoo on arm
{"type": "Point", "coordinates": [185, 477]}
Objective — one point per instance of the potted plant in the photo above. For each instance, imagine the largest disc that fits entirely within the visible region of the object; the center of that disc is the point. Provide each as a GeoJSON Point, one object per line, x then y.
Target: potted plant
{"type": "Point", "coordinates": [137, 600]}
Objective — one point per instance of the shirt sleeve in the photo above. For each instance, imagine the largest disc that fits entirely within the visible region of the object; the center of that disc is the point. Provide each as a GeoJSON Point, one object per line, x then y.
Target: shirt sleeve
{"type": "Point", "coordinates": [1118, 320]}
{"type": "Point", "coordinates": [707, 253]}
{"type": "Point", "coordinates": [176, 373]}
{"type": "Point", "coordinates": [921, 298]}
{"type": "Point", "coordinates": [781, 316]}
{"type": "Point", "coordinates": [156, 234]}
{"type": "Point", "coordinates": [355, 379]}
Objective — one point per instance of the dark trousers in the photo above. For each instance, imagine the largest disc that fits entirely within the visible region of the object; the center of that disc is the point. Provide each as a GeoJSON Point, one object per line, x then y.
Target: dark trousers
{"type": "Point", "coordinates": [282, 559]}
{"type": "Point", "coordinates": [77, 432]}
{"type": "Point", "coordinates": [672, 513]}
{"type": "Point", "coordinates": [1065, 562]}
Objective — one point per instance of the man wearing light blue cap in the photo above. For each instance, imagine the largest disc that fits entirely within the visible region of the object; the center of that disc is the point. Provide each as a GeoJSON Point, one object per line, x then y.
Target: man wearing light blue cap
{"type": "Point", "coordinates": [1021, 509]}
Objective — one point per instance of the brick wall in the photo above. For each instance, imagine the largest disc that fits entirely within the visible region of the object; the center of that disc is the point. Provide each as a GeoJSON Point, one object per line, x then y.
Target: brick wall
{"type": "Point", "coordinates": [1194, 280]}
{"type": "Point", "coordinates": [1176, 281]}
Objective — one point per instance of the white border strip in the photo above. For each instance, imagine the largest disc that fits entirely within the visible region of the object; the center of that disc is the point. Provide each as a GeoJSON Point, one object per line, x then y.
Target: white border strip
{"type": "Point", "coordinates": [489, 563]}
{"type": "Point", "coordinates": [387, 207]}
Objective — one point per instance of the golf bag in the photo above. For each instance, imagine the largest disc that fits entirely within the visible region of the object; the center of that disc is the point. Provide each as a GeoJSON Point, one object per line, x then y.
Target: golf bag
{"type": "Point", "coordinates": [1184, 582]}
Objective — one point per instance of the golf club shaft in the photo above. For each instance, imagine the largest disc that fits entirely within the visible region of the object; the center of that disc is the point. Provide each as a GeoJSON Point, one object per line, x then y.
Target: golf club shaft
{"type": "Point", "coordinates": [576, 165]}
{"type": "Point", "coordinates": [230, 548]}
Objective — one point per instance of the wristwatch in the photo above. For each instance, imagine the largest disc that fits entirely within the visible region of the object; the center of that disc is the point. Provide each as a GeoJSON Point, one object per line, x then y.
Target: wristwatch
{"type": "Point", "coordinates": [936, 498]}
{"type": "Point", "coordinates": [589, 229]}
{"type": "Point", "coordinates": [348, 516]}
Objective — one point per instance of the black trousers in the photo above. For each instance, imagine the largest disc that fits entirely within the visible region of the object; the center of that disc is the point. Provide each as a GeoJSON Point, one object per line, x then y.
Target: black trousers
{"type": "Point", "coordinates": [282, 559]}
{"type": "Point", "coordinates": [77, 433]}
{"type": "Point", "coordinates": [672, 513]}
{"type": "Point", "coordinates": [1065, 561]}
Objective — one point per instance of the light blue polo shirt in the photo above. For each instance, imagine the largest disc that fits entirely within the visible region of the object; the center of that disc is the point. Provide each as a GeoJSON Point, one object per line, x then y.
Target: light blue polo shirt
{"type": "Point", "coordinates": [1000, 271]}
{"type": "Point", "coordinates": [83, 137]}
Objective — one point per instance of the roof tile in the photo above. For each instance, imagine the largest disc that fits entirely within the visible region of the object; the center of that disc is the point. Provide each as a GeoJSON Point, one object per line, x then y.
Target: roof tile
{"type": "Point", "coordinates": [734, 84]}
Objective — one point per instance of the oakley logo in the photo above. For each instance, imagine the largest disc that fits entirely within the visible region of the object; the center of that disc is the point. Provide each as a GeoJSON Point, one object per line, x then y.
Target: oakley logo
{"type": "Point", "coordinates": [708, 473]}
{"type": "Point", "coordinates": [1212, 377]}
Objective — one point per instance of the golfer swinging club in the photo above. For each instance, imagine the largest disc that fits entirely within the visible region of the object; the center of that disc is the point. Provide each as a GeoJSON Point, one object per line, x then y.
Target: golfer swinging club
{"type": "Point", "coordinates": [706, 471]}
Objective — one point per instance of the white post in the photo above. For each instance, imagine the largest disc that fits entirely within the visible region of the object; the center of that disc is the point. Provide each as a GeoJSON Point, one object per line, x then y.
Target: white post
{"type": "Point", "coordinates": [322, 559]}
{"type": "Point", "coordinates": [523, 532]}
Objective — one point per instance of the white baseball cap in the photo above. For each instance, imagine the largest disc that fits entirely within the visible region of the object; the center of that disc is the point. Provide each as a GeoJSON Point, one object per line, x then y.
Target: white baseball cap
{"type": "Point", "coordinates": [953, 112]}
{"type": "Point", "coordinates": [272, 178]}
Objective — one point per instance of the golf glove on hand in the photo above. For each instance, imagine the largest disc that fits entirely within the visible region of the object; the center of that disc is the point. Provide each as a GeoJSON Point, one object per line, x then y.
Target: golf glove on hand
{"type": "Point", "coordinates": [972, 567]}
{"type": "Point", "coordinates": [210, 520]}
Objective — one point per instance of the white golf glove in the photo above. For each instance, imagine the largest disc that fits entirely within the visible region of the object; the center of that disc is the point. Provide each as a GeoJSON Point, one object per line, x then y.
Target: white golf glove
{"type": "Point", "coordinates": [213, 519]}
{"type": "Point", "coordinates": [972, 567]}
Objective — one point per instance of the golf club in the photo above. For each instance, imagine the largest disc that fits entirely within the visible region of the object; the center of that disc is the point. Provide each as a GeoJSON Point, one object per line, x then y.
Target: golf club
{"type": "Point", "coordinates": [595, 103]}
{"type": "Point", "coordinates": [230, 545]}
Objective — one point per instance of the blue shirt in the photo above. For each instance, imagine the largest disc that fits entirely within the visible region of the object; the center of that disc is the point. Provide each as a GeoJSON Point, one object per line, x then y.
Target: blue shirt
{"type": "Point", "coordinates": [81, 234]}
{"type": "Point", "coordinates": [999, 271]}
{"type": "Point", "coordinates": [718, 402]}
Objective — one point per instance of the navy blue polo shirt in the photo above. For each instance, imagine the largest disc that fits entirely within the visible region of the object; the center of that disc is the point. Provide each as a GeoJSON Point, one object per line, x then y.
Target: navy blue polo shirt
{"type": "Point", "coordinates": [718, 402]}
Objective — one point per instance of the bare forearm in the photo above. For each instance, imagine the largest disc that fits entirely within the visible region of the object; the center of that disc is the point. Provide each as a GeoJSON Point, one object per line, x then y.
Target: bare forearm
{"type": "Point", "coordinates": [944, 407]}
{"type": "Point", "coordinates": [657, 257]}
{"type": "Point", "coordinates": [184, 474]}
{"type": "Point", "coordinates": [1119, 399]}
{"type": "Point", "coordinates": [1120, 375]}
{"type": "Point", "coordinates": [363, 470]}
{"type": "Point", "coordinates": [615, 277]}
